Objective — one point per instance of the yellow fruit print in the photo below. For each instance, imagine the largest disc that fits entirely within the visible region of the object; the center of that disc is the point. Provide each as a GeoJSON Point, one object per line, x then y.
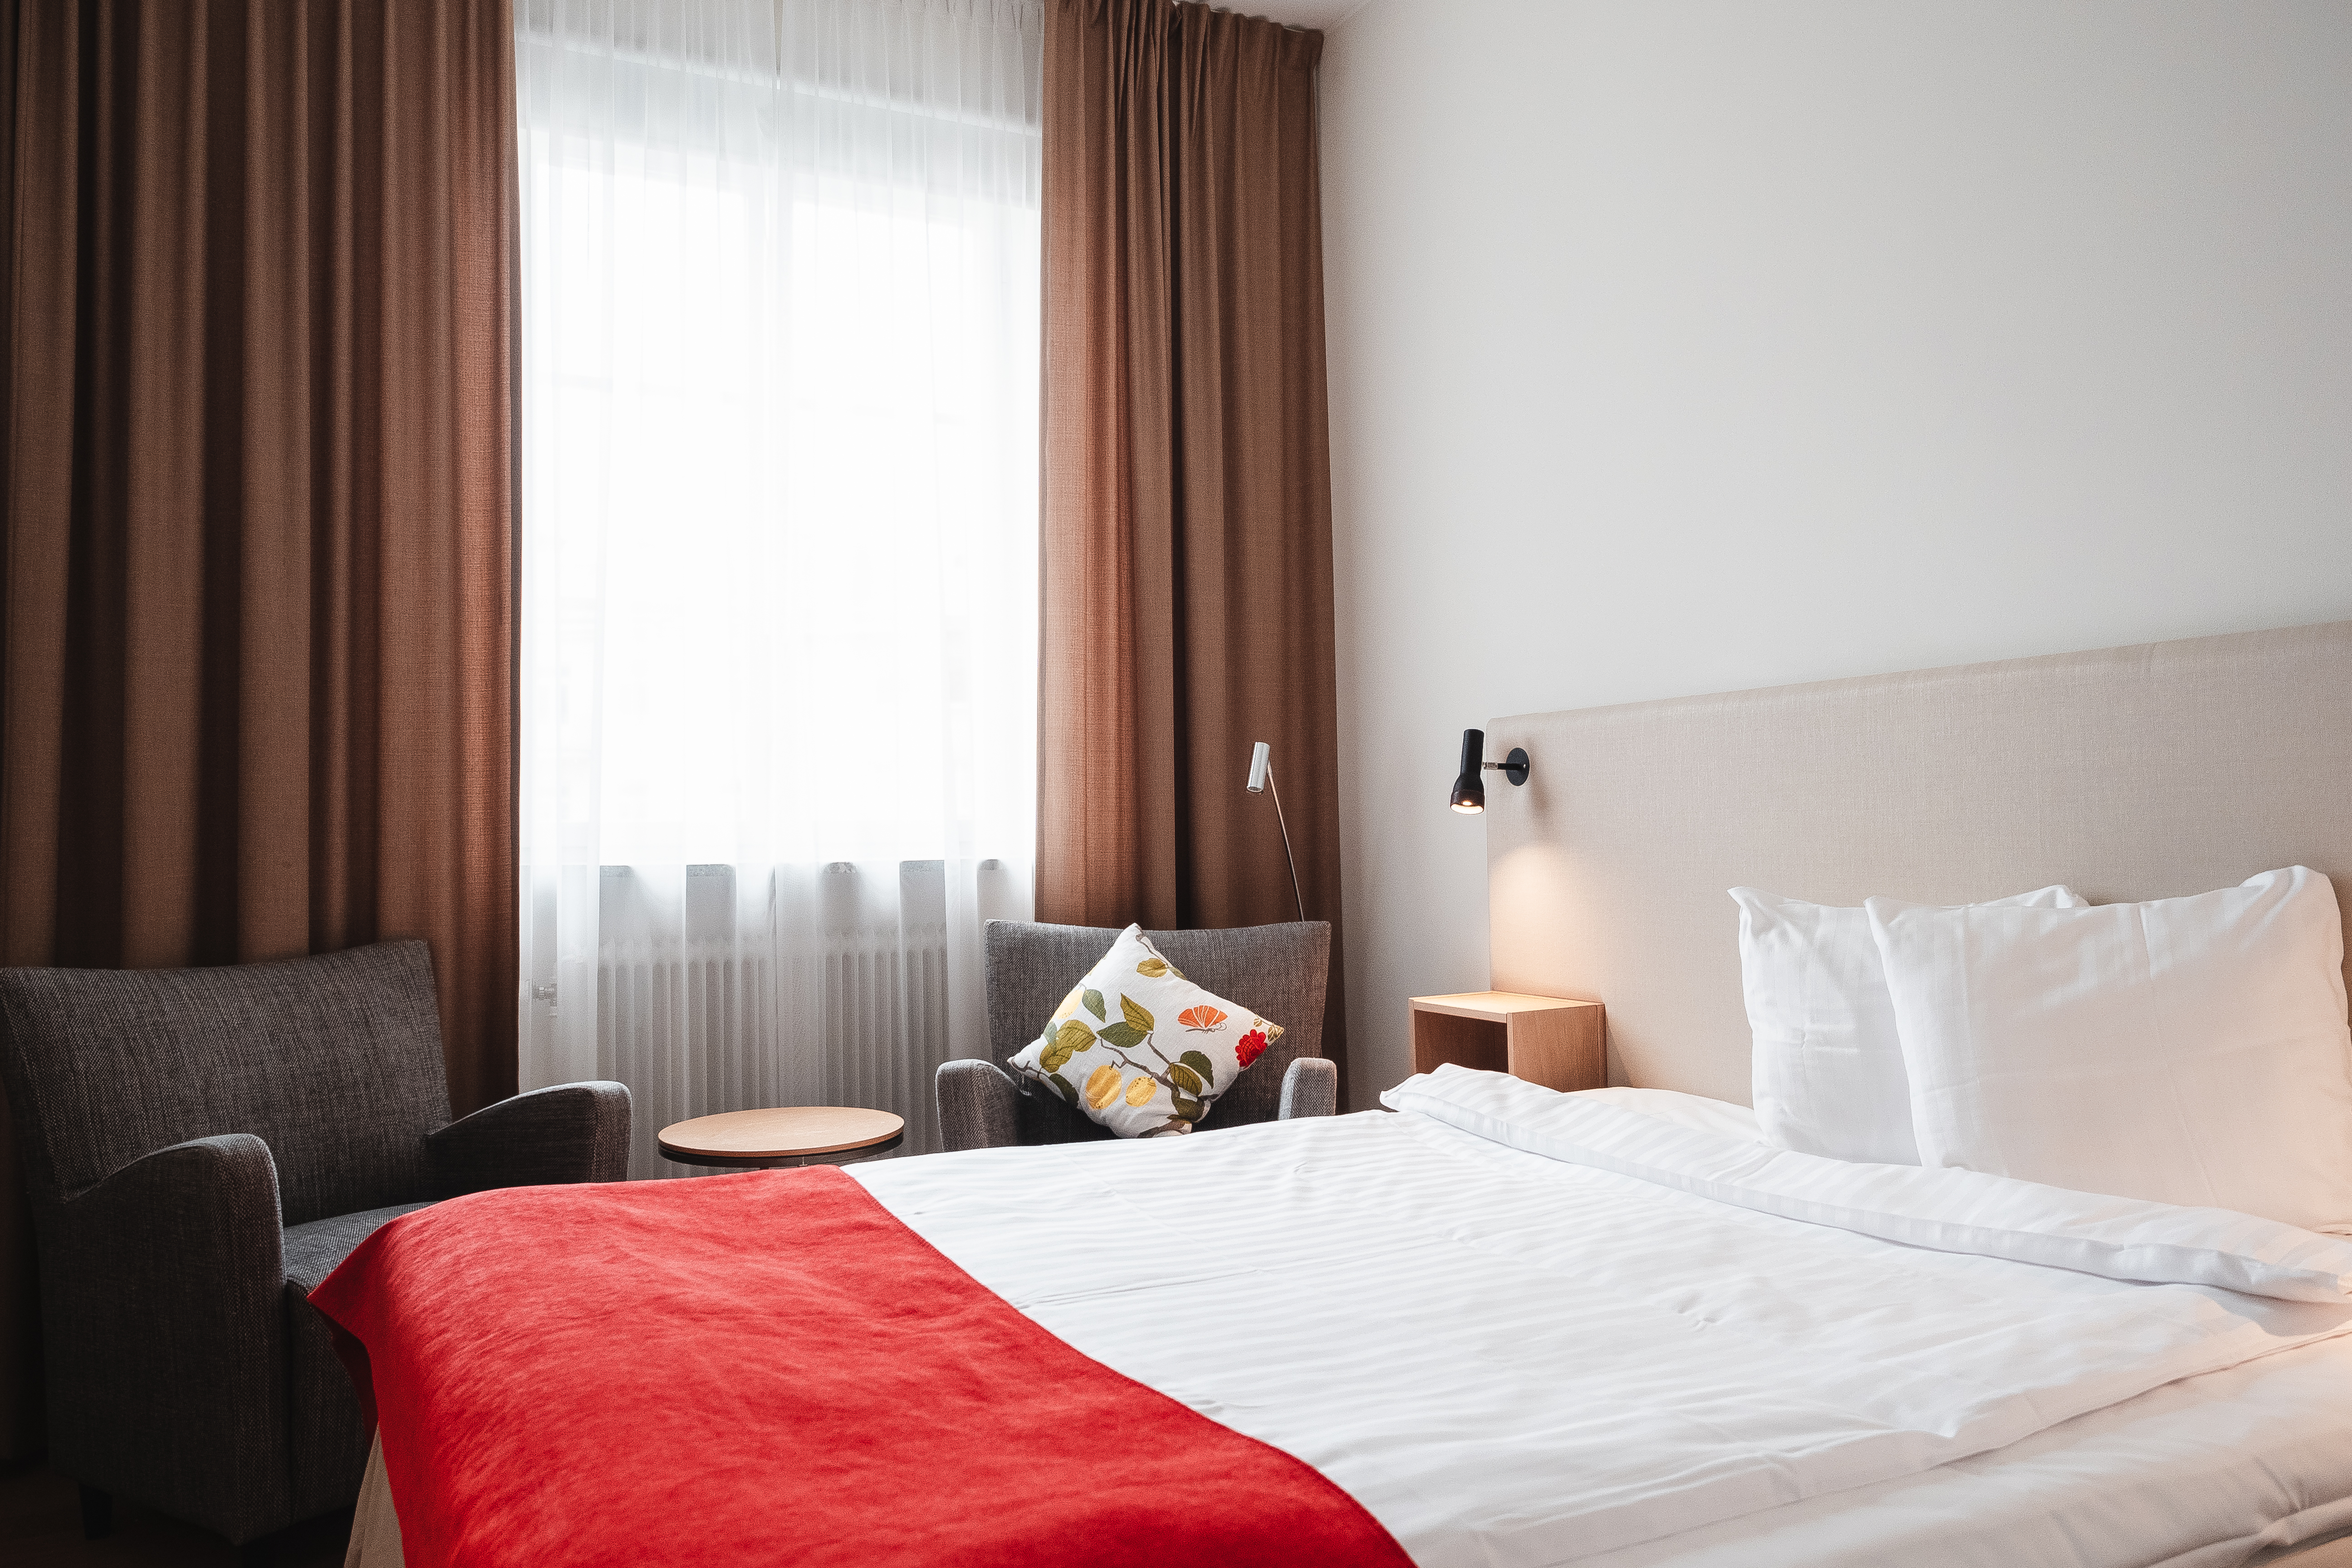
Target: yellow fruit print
{"type": "Point", "coordinates": [1140, 1090]}
{"type": "Point", "coordinates": [1102, 1087]}
{"type": "Point", "coordinates": [1070, 1003]}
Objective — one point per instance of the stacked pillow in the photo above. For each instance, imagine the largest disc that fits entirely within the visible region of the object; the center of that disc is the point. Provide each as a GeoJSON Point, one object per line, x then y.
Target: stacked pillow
{"type": "Point", "coordinates": [2189, 1051]}
{"type": "Point", "coordinates": [1829, 1074]}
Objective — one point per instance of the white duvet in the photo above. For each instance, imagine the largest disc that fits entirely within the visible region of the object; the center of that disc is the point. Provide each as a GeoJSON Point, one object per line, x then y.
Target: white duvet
{"type": "Point", "coordinates": [1522, 1328]}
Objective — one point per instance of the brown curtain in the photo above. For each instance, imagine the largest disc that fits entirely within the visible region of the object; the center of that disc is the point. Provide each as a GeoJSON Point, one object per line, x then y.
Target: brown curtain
{"type": "Point", "coordinates": [1186, 552]}
{"type": "Point", "coordinates": [256, 698]}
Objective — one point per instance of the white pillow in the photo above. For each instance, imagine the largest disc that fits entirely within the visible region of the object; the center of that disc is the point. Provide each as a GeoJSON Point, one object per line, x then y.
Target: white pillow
{"type": "Point", "coordinates": [2185, 1051]}
{"type": "Point", "coordinates": [1827, 1069]}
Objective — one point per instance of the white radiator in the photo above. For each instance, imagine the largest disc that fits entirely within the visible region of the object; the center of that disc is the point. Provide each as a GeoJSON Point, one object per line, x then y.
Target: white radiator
{"type": "Point", "coordinates": [727, 988]}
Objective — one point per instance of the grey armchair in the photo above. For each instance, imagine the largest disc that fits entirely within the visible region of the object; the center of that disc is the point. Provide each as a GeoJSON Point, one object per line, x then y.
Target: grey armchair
{"type": "Point", "coordinates": [1279, 971]}
{"type": "Point", "coordinates": [203, 1146]}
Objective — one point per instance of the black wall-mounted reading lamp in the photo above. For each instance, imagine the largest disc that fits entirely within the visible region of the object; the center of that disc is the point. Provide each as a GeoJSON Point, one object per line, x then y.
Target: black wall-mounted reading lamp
{"type": "Point", "coordinates": [1469, 789]}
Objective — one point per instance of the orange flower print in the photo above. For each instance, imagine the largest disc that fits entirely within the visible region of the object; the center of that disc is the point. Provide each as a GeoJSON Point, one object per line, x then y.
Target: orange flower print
{"type": "Point", "coordinates": [1202, 1018]}
{"type": "Point", "coordinates": [1251, 1046]}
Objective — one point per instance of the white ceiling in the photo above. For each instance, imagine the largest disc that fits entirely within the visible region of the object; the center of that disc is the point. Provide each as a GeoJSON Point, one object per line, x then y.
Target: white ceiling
{"type": "Point", "coordinates": [1297, 12]}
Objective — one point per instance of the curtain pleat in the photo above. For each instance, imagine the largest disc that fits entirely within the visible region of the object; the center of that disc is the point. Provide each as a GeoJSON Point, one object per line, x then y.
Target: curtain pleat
{"type": "Point", "coordinates": [1186, 593]}
{"type": "Point", "coordinates": [258, 691]}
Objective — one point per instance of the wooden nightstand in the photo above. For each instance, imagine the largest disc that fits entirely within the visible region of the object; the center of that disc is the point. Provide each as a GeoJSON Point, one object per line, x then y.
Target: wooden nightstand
{"type": "Point", "coordinates": [1548, 1040]}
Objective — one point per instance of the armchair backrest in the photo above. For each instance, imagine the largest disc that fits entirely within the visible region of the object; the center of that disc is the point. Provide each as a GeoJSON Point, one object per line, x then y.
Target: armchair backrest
{"type": "Point", "coordinates": [1278, 971]}
{"type": "Point", "coordinates": [334, 1061]}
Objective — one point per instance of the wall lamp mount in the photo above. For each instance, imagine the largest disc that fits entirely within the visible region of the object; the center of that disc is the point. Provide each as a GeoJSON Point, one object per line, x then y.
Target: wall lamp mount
{"type": "Point", "coordinates": [1469, 788]}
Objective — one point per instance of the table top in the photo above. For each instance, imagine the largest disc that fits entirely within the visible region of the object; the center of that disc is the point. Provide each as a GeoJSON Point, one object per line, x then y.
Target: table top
{"type": "Point", "coordinates": [1494, 1005]}
{"type": "Point", "coordinates": [784, 1132]}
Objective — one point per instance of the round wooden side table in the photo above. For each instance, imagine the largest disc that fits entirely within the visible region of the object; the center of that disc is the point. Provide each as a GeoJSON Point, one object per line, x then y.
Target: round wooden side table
{"type": "Point", "coordinates": [788, 1135]}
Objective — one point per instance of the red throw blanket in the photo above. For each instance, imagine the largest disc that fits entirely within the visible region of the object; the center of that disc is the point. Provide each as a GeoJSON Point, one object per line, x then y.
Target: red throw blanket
{"type": "Point", "coordinates": [769, 1368]}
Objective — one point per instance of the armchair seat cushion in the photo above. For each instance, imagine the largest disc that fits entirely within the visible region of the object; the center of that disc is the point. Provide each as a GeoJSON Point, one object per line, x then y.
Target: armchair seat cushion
{"type": "Point", "coordinates": [313, 1250]}
{"type": "Point", "coordinates": [326, 1435]}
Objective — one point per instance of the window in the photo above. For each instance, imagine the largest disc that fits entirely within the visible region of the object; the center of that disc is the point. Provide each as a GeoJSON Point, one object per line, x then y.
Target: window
{"type": "Point", "coordinates": [779, 532]}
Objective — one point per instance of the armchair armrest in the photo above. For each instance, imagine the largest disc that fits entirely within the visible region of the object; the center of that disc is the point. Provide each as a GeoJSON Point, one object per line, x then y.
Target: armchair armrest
{"type": "Point", "coordinates": [977, 1102]}
{"type": "Point", "coordinates": [572, 1132]}
{"type": "Point", "coordinates": [1311, 1088]}
{"type": "Point", "coordinates": [166, 1281]}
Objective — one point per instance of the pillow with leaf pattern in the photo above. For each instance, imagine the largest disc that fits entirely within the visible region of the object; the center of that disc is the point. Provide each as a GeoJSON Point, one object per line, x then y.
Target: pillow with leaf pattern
{"type": "Point", "coordinates": [1140, 1049]}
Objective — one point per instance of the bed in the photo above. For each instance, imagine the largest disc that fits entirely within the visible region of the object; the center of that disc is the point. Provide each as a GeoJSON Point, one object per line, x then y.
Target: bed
{"type": "Point", "coordinates": [1519, 1328]}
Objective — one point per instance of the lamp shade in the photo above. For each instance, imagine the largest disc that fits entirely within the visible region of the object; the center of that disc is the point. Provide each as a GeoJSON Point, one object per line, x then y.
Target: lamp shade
{"type": "Point", "coordinates": [1469, 789]}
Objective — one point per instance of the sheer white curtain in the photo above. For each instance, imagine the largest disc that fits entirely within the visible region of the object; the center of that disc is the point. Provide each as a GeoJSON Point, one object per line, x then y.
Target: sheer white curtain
{"type": "Point", "coordinates": [779, 392]}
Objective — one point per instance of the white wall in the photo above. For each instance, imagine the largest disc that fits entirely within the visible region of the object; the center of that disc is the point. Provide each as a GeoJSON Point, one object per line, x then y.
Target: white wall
{"type": "Point", "coordinates": [1688, 345]}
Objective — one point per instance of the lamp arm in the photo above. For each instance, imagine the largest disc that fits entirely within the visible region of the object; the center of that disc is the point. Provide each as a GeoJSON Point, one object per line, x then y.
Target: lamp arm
{"type": "Point", "coordinates": [1513, 767]}
{"type": "Point", "coordinates": [1286, 841]}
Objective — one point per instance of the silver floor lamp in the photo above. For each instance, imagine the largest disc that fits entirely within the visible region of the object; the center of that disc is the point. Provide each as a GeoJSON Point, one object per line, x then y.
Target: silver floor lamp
{"type": "Point", "coordinates": [1261, 778]}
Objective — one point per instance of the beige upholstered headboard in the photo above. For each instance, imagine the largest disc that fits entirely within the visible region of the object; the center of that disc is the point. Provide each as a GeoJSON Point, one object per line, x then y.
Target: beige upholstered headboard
{"type": "Point", "coordinates": [2131, 773]}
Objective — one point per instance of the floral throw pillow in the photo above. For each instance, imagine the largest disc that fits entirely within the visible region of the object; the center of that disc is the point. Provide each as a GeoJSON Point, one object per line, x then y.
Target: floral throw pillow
{"type": "Point", "coordinates": [1140, 1049]}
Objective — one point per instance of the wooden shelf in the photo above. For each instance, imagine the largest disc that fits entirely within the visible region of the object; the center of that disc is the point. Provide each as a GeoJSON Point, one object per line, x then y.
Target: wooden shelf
{"type": "Point", "coordinates": [1549, 1040]}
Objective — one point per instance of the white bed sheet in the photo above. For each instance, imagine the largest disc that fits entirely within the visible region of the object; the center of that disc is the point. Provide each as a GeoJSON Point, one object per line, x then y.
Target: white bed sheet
{"type": "Point", "coordinates": [2208, 1472]}
{"type": "Point", "coordinates": [2193, 1473]}
{"type": "Point", "coordinates": [1694, 1111]}
{"type": "Point", "coordinates": [2211, 1471]}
